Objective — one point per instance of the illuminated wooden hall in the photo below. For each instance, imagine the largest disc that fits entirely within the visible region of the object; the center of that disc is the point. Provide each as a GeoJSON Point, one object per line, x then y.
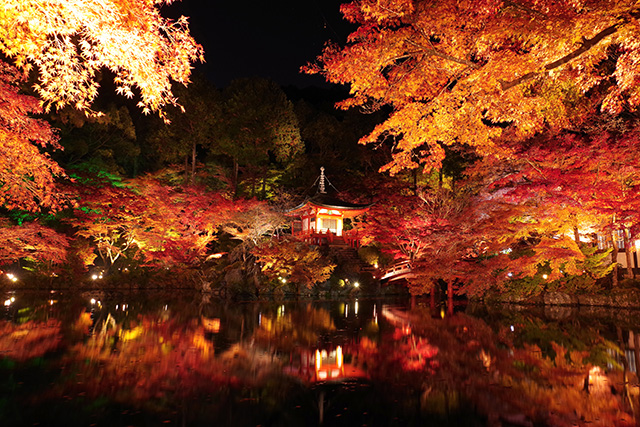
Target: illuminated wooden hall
{"type": "Point", "coordinates": [319, 220]}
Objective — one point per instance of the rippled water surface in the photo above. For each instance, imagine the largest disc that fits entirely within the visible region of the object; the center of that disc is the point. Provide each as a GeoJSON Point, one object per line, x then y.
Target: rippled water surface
{"type": "Point", "coordinates": [188, 359]}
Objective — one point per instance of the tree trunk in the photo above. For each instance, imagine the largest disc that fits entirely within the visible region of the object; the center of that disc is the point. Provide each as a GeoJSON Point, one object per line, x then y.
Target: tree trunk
{"type": "Point", "coordinates": [576, 235]}
{"type": "Point", "coordinates": [193, 164]}
{"type": "Point", "coordinates": [627, 252]}
{"type": "Point", "coordinates": [186, 170]}
{"type": "Point", "coordinates": [450, 298]}
{"type": "Point", "coordinates": [614, 259]}
{"type": "Point", "coordinates": [254, 177]}
{"type": "Point", "coordinates": [636, 350]}
{"type": "Point", "coordinates": [235, 177]}
{"type": "Point", "coordinates": [264, 185]}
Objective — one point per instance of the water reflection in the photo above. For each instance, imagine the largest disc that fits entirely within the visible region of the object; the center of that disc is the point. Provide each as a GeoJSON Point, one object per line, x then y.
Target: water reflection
{"type": "Point", "coordinates": [184, 358]}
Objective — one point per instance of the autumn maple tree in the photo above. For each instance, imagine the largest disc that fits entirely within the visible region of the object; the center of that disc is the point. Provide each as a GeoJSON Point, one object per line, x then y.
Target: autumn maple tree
{"type": "Point", "coordinates": [476, 72]}
{"type": "Point", "coordinates": [537, 214]}
{"type": "Point", "coordinates": [68, 43]}
{"type": "Point", "coordinates": [27, 175]}
{"type": "Point", "coordinates": [289, 261]}
{"type": "Point", "coordinates": [31, 241]}
{"type": "Point", "coordinates": [109, 216]}
{"type": "Point", "coordinates": [158, 225]}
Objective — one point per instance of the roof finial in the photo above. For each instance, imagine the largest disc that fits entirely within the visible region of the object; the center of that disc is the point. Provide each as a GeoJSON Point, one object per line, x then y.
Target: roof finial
{"type": "Point", "coordinates": [321, 183]}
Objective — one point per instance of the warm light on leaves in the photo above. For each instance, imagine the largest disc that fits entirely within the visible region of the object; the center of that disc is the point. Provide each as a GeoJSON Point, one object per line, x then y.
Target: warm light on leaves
{"type": "Point", "coordinates": [27, 174]}
{"type": "Point", "coordinates": [474, 72]}
{"type": "Point", "coordinates": [70, 41]}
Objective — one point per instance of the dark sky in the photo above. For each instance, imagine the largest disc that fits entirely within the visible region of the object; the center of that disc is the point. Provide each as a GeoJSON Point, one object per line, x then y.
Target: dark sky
{"type": "Point", "coordinates": [266, 38]}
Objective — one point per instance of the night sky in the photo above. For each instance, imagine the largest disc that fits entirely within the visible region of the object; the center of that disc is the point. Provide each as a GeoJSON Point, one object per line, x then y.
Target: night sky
{"type": "Point", "coordinates": [270, 39]}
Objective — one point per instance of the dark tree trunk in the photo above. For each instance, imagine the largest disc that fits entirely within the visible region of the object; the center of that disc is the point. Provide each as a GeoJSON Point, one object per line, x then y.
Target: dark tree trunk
{"type": "Point", "coordinates": [186, 169]}
{"type": "Point", "coordinates": [235, 177]}
{"type": "Point", "coordinates": [614, 260]}
{"type": "Point", "coordinates": [636, 349]}
{"type": "Point", "coordinates": [193, 164]}
{"type": "Point", "coordinates": [628, 254]}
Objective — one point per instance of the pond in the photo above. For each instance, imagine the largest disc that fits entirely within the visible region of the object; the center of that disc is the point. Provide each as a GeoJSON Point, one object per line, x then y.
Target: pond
{"type": "Point", "coordinates": [190, 359]}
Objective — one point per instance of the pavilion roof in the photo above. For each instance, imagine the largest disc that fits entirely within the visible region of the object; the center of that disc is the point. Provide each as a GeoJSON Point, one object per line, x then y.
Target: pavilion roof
{"type": "Point", "coordinates": [323, 200]}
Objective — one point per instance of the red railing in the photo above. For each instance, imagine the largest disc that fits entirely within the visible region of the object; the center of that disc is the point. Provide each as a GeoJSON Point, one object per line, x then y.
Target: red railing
{"type": "Point", "coordinates": [326, 237]}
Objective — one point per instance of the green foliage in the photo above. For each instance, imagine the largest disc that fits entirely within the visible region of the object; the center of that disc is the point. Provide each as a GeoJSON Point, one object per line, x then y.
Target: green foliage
{"type": "Point", "coordinates": [108, 141]}
{"type": "Point", "coordinates": [20, 217]}
{"type": "Point", "coordinates": [371, 254]}
{"type": "Point", "coordinates": [527, 285]}
{"type": "Point", "coordinates": [594, 267]}
{"type": "Point", "coordinates": [93, 173]}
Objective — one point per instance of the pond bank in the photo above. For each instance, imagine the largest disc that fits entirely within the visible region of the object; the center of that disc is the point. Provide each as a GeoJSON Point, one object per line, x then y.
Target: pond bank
{"type": "Point", "coordinates": [626, 298]}
{"type": "Point", "coordinates": [621, 305]}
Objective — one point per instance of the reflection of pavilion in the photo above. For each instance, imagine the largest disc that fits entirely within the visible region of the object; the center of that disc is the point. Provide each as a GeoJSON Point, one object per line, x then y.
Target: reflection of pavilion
{"type": "Point", "coordinates": [319, 220]}
{"type": "Point", "coordinates": [324, 365]}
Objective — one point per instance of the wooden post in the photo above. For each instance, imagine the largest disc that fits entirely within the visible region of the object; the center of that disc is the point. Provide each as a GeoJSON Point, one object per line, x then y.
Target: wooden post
{"type": "Point", "coordinates": [627, 253]}
{"type": "Point", "coordinates": [432, 297]}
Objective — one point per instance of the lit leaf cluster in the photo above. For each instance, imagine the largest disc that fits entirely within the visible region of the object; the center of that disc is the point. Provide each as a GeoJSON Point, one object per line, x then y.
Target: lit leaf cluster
{"type": "Point", "coordinates": [474, 72]}
{"type": "Point", "coordinates": [161, 225]}
{"type": "Point", "coordinates": [539, 208]}
{"type": "Point", "coordinates": [31, 241]}
{"type": "Point", "coordinates": [70, 41]}
{"type": "Point", "coordinates": [294, 261]}
{"type": "Point", "coordinates": [27, 173]}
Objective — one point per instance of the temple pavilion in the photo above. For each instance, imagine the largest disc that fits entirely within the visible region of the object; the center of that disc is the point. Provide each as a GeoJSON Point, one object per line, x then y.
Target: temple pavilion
{"type": "Point", "coordinates": [319, 220]}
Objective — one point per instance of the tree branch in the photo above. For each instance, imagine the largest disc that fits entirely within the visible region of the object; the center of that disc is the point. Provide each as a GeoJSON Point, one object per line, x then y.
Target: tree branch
{"type": "Point", "coordinates": [433, 51]}
{"type": "Point", "coordinates": [524, 8]}
{"type": "Point", "coordinates": [584, 47]}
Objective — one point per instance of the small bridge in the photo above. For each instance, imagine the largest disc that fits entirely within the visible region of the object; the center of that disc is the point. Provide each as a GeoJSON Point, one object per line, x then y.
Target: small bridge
{"type": "Point", "coordinates": [399, 271]}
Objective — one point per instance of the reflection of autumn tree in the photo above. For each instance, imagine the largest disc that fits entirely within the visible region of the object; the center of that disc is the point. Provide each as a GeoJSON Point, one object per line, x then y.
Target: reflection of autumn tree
{"type": "Point", "coordinates": [441, 364]}
{"type": "Point", "coordinates": [29, 340]}
{"type": "Point", "coordinates": [151, 359]}
{"type": "Point", "coordinates": [286, 330]}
